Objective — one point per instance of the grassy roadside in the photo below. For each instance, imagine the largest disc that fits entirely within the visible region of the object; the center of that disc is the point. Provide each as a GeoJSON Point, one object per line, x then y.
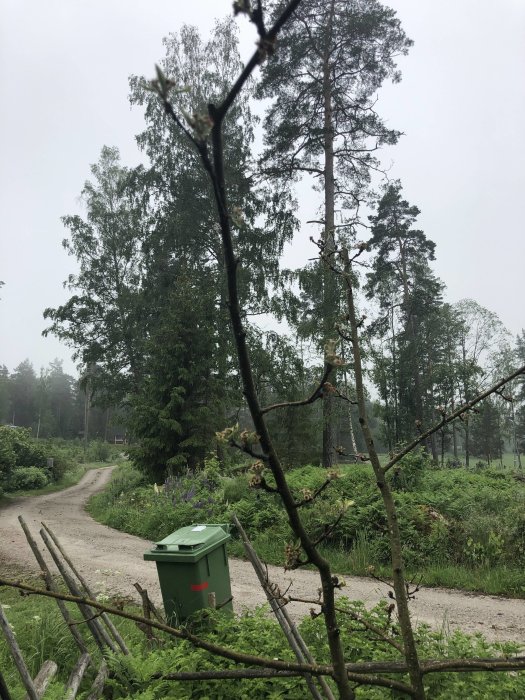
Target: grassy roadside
{"type": "Point", "coordinates": [501, 581]}
{"type": "Point", "coordinates": [463, 530]}
{"type": "Point", "coordinates": [42, 634]}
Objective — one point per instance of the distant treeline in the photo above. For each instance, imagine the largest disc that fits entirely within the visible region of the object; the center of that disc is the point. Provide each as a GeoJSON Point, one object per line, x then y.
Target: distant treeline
{"type": "Point", "coordinates": [53, 404]}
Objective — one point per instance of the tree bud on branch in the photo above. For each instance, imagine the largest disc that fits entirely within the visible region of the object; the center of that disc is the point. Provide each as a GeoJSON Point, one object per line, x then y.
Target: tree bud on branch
{"type": "Point", "coordinates": [202, 124]}
{"type": "Point", "coordinates": [248, 437]}
{"type": "Point", "coordinates": [237, 217]}
{"type": "Point", "coordinates": [255, 481]}
{"type": "Point", "coordinates": [227, 435]}
{"type": "Point", "coordinates": [332, 475]}
{"type": "Point", "coordinates": [257, 467]}
{"type": "Point", "coordinates": [162, 85]}
{"type": "Point", "coordinates": [291, 552]}
{"type": "Point", "coordinates": [308, 494]}
{"type": "Point", "coordinates": [331, 357]}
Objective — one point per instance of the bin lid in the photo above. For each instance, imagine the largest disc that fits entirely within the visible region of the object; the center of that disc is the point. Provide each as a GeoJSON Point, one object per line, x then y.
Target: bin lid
{"type": "Point", "coordinates": [189, 543]}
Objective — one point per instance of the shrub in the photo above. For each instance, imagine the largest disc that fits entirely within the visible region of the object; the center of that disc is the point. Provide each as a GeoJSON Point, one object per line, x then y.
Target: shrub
{"type": "Point", "coordinates": [257, 633]}
{"type": "Point", "coordinates": [59, 465]}
{"type": "Point", "coordinates": [407, 474]}
{"type": "Point", "coordinates": [235, 489]}
{"type": "Point", "coordinates": [98, 451]}
{"type": "Point", "coordinates": [17, 449]}
{"type": "Point", "coordinates": [25, 478]}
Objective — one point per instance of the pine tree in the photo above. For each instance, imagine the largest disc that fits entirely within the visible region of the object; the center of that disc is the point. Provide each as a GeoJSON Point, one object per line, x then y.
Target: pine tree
{"type": "Point", "coordinates": [333, 57]}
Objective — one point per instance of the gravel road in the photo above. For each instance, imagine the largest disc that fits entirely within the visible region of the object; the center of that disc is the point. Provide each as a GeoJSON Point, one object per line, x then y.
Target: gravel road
{"type": "Point", "coordinates": [112, 561]}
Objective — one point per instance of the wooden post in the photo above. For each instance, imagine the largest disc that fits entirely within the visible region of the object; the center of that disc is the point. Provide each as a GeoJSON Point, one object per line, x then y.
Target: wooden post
{"type": "Point", "coordinates": [51, 586]}
{"type": "Point", "coordinates": [143, 593]}
{"type": "Point", "coordinates": [17, 657]}
{"type": "Point", "coordinates": [98, 684]}
{"type": "Point", "coordinates": [4, 690]}
{"type": "Point", "coordinates": [146, 611]}
{"type": "Point", "coordinates": [91, 618]}
{"type": "Point", "coordinates": [296, 642]}
{"type": "Point", "coordinates": [75, 677]}
{"type": "Point", "coordinates": [109, 624]}
{"type": "Point", "coordinates": [44, 677]}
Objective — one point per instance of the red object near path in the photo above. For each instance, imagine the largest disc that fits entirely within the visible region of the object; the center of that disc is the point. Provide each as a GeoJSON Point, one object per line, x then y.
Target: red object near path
{"type": "Point", "coordinates": [199, 586]}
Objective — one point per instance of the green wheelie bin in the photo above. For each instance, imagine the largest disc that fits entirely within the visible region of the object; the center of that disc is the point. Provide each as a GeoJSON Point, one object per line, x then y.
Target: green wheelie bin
{"type": "Point", "coordinates": [192, 564]}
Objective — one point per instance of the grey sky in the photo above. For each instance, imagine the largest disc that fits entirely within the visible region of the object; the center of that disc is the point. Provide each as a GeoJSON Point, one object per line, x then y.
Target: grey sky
{"type": "Point", "coordinates": [63, 75]}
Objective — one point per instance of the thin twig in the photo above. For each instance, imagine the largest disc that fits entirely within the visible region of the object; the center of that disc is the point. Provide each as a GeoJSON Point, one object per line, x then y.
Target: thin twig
{"type": "Point", "coordinates": [456, 414]}
{"type": "Point", "coordinates": [257, 57]}
{"type": "Point", "coordinates": [314, 396]}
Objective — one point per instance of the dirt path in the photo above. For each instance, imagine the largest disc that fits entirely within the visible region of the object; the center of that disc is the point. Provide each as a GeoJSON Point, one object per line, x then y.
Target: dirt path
{"type": "Point", "coordinates": [112, 561]}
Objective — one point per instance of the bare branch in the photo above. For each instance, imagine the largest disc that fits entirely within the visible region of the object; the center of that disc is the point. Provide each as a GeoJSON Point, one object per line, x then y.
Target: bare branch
{"type": "Point", "coordinates": [266, 45]}
{"type": "Point", "coordinates": [255, 673]}
{"type": "Point", "coordinates": [222, 674]}
{"type": "Point", "coordinates": [314, 396]}
{"type": "Point", "coordinates": [247, 450]}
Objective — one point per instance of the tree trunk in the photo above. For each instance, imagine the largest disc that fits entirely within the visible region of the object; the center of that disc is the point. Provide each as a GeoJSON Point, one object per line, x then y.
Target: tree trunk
{"type": "Point", "coordinates": [454, 433]}
{"type": "Point", "coordinates": [394, 379]}
{"type": "Point", "coordinates": [398, 574]}
{"type": "Point", "coordinates": [329, 279]}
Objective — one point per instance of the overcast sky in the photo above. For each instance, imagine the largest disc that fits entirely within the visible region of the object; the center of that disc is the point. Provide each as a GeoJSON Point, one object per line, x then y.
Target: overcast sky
{"type": "Point", "coordinates": [64, 66]}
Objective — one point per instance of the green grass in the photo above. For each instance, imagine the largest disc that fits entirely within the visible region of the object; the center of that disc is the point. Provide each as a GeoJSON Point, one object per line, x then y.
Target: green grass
{"type": "Point", "coordinates": [497, 581]}
{"type": "Point", "coordinates": [41, 634]}
{"type": "Point", "coordinates": [507, 460]}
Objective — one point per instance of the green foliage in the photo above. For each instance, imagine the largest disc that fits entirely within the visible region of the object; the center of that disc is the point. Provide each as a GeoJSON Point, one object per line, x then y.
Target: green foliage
{"type": "Point", "coordinates": [410, 323]}
{"type": "Point", "coordinates": [27, 463]}
{"type": "Point", "coordinates": [406, 475]}
{"type": "Point", "coordinates": [26, 452]}
{"type": "Point", "coordinates": [99, 451]}
{"type": "Point", "coordinates": [257, 633]}
{"type": "Point", "coordinates": [486, 433]}
{"type": "Point", "coordinates": [23, 478]}
{"type": "Point", "coordinates": [62, 463]}
{"type": "Point", "coordinates": [177, 410]}
{"type": "Point", "coordinates": [153, 511]}
{"type": "Point", "coordinates": [105, 309]}
{"type": "Point", "coordinates": [18, 449]}
{"type": "Point", "coordinates": [42, 634]}
{"type": "Point", "coordinates": [280, 375]}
